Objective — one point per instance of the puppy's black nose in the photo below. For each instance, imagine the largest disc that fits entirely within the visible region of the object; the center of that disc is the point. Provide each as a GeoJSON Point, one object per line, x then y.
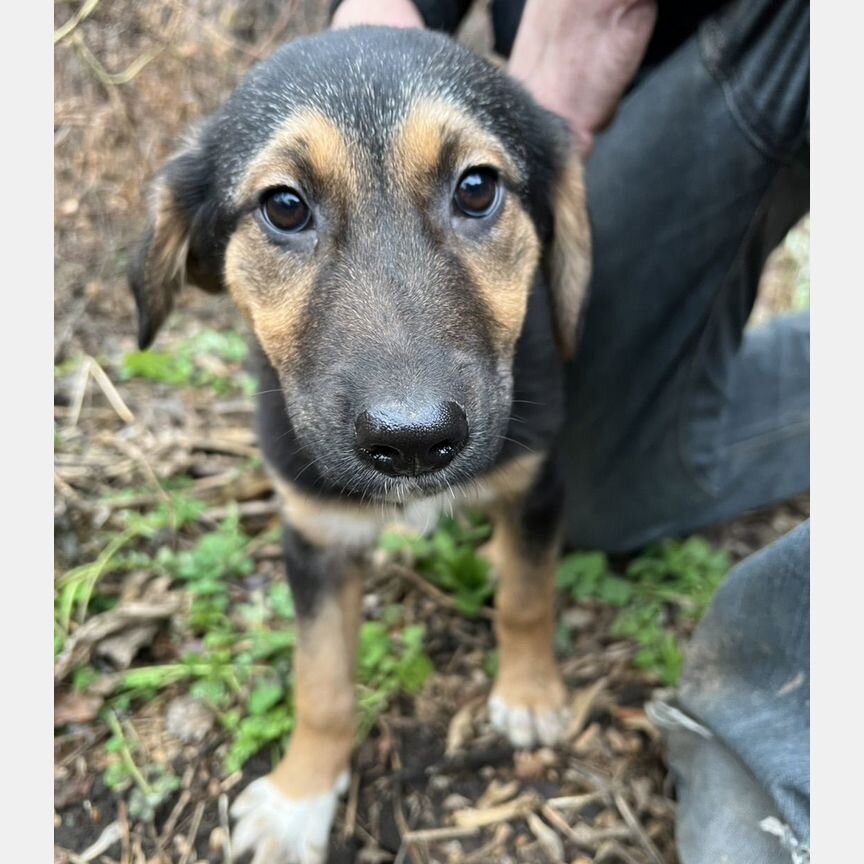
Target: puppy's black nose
{"type": "Point", "coordinates": [401, 441]}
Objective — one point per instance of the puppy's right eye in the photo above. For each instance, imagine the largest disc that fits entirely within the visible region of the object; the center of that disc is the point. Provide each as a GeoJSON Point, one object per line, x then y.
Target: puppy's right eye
{"type": "Point", "coordinates": [284, 210]}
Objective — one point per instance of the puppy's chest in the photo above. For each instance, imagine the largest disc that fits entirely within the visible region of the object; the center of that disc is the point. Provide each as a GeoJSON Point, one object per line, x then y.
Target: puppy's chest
{"type": "Point", "coordinates": [335, 524]}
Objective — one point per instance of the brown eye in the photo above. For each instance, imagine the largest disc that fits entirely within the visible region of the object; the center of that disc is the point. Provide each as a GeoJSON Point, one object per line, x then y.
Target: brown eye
{"type": "Point", "coordinates": [477, 192]}
{"type": "Point", "coordinates": [285, 210]}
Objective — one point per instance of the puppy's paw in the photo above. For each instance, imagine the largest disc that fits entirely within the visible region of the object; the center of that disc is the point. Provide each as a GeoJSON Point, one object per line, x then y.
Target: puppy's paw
{"type": "Point", "coordinates": [280, 830]}
{"type": "Point", "coordinates": [527, 722]}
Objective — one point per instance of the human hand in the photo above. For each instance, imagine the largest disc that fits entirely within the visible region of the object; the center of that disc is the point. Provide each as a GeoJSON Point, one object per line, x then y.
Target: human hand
{"type": "Point", "coordinates": [577, 57]}
{"type": "Point", "coordinates": [389, 13]}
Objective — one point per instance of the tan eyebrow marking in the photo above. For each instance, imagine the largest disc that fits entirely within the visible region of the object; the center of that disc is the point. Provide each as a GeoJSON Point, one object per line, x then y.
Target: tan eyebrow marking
{"type": "Point", "coordinates": [306, 141]}
{"type": "Point", "coordinates": [433, 127]}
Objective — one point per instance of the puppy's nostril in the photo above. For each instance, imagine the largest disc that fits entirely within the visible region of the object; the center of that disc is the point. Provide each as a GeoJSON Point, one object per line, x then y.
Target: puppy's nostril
{"type": "Point", "coordinates": [381, 452]}
{"type": "Point", "coordinates": [442, 450]}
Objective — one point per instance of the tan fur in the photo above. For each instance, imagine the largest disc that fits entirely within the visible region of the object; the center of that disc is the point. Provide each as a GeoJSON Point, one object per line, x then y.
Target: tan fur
{"type": "Point", "coordinates": [165, 266]}
{"type": "Point", "coordinates": [502, 268]}
{"type": "Point", "coordinates": [418, 145]}
{"type": "Point", "coordinates": [503, 263]}
{"type": "Point", "coordinates": [525, 622]}
{"type": "Point", "coordinates": [347, 525]}
{"type": "Point", "coordinates": [270, 288]}
{"type": "Point", "coordinates": [328, 524]}
{"type": "Point", "coordinates": [170, 235]}
{"type": "Point", "coordinates": [571, 254]}
{"type": "Point", "coordinates": [324, 674]}
{"type": "Point", "coordinates": [307, 136]}
{"type": "Point", "coordinates": [511, 481]}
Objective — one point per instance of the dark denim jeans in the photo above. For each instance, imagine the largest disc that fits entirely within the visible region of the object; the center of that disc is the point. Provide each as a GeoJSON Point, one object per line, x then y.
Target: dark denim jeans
{"type": "Point", "coordinates": [677, 417]}
{"type": "Point", "coordinates": [737, 731]}
{"type": "Point", "coordinates": [680, 418]}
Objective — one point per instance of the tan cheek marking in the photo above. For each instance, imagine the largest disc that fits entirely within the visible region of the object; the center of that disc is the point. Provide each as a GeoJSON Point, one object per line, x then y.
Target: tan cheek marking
{"type": "Point", "coordinates": [324, 675]}
{"type": "Point", "coordinates": [502, 268]}
{"type": "Point", "coordinates": [320, 143]}
{"type": "Point", "coordinates": [270, 289]}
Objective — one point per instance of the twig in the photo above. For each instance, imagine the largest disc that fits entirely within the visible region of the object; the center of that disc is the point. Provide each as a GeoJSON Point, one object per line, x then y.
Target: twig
{"type": "Point", "coordinates": [633, 824]}
{"type": "Point", "coordinates": [124, 835]}
{"type": "Point", "coordinates": [549, 841]}
{"type": "Point", "coordinates": [110, 391]}
{"type": "Point", "coordinates": [244, 508]}
{"type": "Point", "coordinates": [516, 809]}
{"type": "Point", "coordinates": [113, 79]}
{"type": "Point", "coordinates": [483, 854]}
{"type": "Point", "coordinates": [192, 836]}
{"type": "Point", "coordinates": [171, 822]}
{"type": "Point", "coordinates": [553, 817]}
{"type": "Point", "coordinates": [432, 835]}
{"type": "Point", "coordinates": [226, 828]}
{"type": "Point", "coordinates": [575, 802]}
{"type": "Point", "coordinates": [581, 707]}
{"type": "Point", "coordinates": [80, 391]}
{"type": "Point", "coordinates": [75, 651]}
{"type": "Point", "coordinates": [430, 590]}
{"type": "Point", "coordinates": [86, 10]}
{"type": "Point", "coordinates": [405, 848]}
{"type": "Point", "coordinates": [351, 808]}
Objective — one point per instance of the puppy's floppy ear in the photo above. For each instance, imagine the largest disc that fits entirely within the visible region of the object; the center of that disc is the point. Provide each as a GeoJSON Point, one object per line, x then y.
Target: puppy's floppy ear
{"type": "Point", "coordinates": [561, 212]}
{"type": "Point", "coordinates": [569, 256]}
{"type": "Point", "coordinates": [181, 243]}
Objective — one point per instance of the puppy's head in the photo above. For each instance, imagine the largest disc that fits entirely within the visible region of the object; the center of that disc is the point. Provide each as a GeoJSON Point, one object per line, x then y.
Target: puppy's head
{"type": "Point", "coordinates": [378, 203]}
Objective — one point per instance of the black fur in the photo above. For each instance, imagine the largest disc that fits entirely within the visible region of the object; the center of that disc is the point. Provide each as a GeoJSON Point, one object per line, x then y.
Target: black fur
{"type": "Point", "coordinates": [364, 80]}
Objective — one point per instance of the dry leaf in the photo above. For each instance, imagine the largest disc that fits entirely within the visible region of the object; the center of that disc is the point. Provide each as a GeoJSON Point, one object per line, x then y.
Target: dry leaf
{"type": "Point", "coordinates": [76, 708]}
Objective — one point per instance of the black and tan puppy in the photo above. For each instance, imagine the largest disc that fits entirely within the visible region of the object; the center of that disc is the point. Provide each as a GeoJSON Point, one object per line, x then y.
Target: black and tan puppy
{"type": "Point", "coordinates": [405, 231]}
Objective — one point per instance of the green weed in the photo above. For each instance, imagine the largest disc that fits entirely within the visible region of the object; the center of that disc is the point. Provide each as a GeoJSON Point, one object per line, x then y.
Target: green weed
{"type": "Point", "coordinates": [150, 784]}
{"type": "Point", "coordinates": [191, 363]}
{"type": "Point", "coordinates": [670, 583]}
{"type": "Point", "coordinates": [448, 558]}
{"type": "Point", "coordinates": [73, 590]}
{"type": "Point", "coordinates": [242, 663]}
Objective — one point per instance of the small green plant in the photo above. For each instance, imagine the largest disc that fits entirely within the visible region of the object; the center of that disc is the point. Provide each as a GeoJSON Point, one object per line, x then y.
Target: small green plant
{"type": "Point", "coordinates": [191, 363]}
{"type": "Point", "coordinates": [150, 785]}
{"type": "Point", "coordinates": [389, 662]}
{"type": "Point", "coordinates": [671, 582]}
{"type": "Point", "coordinates": [448, 558]}
{"type": "Point", "coordinates": [74, 589]}
{"type": "Point", "coordinates": [241, 665]}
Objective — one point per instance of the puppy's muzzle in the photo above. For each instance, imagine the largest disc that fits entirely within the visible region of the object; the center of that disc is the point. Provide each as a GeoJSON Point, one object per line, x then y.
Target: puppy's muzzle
{"type": "Point", "coordinates": [406, 440]}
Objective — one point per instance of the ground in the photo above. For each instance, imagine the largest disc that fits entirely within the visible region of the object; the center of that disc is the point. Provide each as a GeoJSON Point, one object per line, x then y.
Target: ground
{"type": "Point", "coordinates": [173, 625]}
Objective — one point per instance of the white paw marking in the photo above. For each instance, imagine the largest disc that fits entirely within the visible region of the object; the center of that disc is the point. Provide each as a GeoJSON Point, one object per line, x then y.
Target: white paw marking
{"type": "Point", "coordinates": [526, 727]}
{"type": "Point", "coordinates": [281, 830]}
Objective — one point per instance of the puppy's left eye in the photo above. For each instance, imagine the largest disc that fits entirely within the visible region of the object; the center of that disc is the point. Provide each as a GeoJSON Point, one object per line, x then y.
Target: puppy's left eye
{"type": "Point", "coordinates": [477, 192]}
{"type": "Point", "coordinates": [284, 210]}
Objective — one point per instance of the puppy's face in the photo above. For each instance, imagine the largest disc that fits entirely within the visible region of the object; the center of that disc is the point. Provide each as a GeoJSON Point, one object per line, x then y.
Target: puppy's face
{"type": "Point", "coordinates": [377, 202]}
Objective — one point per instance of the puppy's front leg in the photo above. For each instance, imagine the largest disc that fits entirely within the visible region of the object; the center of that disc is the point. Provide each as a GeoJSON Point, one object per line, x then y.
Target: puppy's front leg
{"type": "Point", "coordinates": [528, 700]}
{"type": "Point", "coordinates": [286, 816]}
